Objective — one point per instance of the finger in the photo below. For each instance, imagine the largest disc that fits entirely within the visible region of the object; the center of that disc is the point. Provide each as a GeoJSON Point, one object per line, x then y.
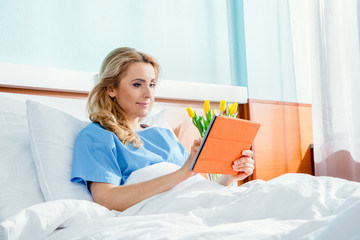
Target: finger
{"type": "Point", "coordinates": [197, 142]}
{"type": "Point", "coordinates": [195, 145]}
{"type": "Point", "coordinates": [243, 165]}
{"type": "Point", "coordinates": [244, 160]}
{"type": "Point", "coordinates": [248, 153]}
{"type": "Point", "coordinates": [243, 174]}
{"type": "Point", "coordinates": [247, 171]}
{"type": "Point", "coordinates": [243, 168]}
{"type": "Point", "coordinates": [194, 149]}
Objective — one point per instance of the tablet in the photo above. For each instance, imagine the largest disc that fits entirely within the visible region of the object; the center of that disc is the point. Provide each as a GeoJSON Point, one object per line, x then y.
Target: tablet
{"type": "Point", "coordinates": [224, 141]}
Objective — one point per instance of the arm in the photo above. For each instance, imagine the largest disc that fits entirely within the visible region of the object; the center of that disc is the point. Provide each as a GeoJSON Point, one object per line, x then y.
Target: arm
{"type": "Point", "coordinates": [124, 196]}
{"type": "Point", "coordinates": [245, 167]}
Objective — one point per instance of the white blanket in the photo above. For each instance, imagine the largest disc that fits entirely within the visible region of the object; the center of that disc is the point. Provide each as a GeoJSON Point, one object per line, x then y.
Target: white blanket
{"type": "Point", "coordinates": [293, 206]}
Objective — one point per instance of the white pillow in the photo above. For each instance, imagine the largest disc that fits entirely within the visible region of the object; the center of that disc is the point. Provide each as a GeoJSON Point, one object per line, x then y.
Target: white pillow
{"type": "Point", "coordinates": [52, 136]}
{"type": "Point", "coordinates": [18, 179]}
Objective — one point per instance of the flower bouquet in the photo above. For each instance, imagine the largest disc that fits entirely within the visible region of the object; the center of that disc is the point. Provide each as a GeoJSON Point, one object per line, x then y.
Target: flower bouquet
{"type": "Point", "coordinates": [202, 122]}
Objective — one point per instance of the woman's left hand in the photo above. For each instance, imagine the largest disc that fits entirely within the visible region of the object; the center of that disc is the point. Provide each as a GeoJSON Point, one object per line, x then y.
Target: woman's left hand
{"type": "Point", "coordinates": [244, 165]}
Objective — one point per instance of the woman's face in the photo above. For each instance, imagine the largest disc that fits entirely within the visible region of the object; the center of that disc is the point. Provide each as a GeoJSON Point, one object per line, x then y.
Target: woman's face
{"type": "Point", "coordinates": [135, 93]}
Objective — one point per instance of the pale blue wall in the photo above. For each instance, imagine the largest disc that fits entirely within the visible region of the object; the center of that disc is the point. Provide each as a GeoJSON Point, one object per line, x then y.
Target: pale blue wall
{"type": "Point", "coordinates": [189, 38]}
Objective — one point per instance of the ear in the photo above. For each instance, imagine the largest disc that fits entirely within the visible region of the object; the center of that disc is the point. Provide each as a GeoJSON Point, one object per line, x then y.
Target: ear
{"type": "Point", "coordinates": [111, 91]}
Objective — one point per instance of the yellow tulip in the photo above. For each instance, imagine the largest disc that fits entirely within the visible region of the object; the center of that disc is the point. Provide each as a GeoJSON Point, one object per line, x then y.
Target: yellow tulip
{"type": "Point", "coordinates": [233, 108]}
{"type": "Point", "coordinates": [190, 112]}
{"type": "Point", "coordinates": [214, 112]}
{"type": "Point", "coordinates": [206, 106]}
{"type": "Point", "coordinates": [222, 105]}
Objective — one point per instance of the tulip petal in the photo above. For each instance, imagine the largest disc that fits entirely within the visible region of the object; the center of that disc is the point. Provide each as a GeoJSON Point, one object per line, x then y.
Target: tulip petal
{"type": "Point", "coordinates": [191, 112]}
{"type": "Point", "coordinates": [222, 106]}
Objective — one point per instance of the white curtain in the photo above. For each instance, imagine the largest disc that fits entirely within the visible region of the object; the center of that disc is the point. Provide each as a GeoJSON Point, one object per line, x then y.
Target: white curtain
{"type": "Point", "coordinates": [304, 46]}
{"type": "Point", "coordinates": [335, 74]}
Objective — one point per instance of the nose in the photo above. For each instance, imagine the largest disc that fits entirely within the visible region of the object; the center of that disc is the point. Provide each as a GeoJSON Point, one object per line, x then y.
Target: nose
{"type": "Point", "coordinates": [148, 92]}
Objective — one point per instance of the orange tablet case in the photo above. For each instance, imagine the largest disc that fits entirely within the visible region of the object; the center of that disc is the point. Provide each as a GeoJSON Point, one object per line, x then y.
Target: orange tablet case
{"type": "Point", "coordinates": [224, 141]}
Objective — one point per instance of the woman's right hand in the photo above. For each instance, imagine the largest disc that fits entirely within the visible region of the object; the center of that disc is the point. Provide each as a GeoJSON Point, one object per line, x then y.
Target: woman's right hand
{"type": "Point", "coordinates": [186, 167]}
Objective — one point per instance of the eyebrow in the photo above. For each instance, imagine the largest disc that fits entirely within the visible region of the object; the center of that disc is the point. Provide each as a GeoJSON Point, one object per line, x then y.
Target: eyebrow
{"type": "Point", "coordinates": [142, 80]}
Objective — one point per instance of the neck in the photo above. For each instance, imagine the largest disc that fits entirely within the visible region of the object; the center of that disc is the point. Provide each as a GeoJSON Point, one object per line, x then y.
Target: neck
{"type": "Point", "coordinates": [134, 124]}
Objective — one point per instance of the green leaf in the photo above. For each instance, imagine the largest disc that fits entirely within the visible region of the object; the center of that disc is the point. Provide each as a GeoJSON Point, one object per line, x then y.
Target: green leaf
{"type": "Point", "coordinates": [206, 125]}
{"type": "Point", "coordinates": [199, 124]}
{"type": "Point", "coordinates": [208, 115]}
{"type": "Point", "coordinates": [194, 122]}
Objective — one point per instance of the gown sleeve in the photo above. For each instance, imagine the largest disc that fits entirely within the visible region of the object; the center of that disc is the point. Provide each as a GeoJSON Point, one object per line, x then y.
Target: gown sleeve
{"type": "Point", "coordinates": [95, 158]}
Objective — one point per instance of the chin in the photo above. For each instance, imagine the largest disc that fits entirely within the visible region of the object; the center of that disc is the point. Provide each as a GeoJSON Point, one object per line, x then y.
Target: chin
{"type": "Point", "coordinates": [144, 114]}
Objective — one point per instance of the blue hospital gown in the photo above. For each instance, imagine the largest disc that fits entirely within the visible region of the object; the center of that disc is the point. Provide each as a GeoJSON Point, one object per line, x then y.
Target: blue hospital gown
{"type": "Point", "coordinates": [99, 156]}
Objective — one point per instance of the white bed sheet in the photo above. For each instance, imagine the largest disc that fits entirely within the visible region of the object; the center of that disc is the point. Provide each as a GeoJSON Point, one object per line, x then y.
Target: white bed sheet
{"type": "Point", "coordinates": [292, 206]}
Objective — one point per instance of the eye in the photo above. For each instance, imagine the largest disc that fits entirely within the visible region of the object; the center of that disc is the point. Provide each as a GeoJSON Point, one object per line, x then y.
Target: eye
{"type": "Point", "coordinates": [137, 85]}
{"type": "Point", "coordinates": [152, 85]}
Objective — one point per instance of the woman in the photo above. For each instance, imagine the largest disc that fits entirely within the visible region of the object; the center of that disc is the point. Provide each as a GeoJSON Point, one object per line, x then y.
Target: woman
{"type": "Point", "coordinates": [108, 150]}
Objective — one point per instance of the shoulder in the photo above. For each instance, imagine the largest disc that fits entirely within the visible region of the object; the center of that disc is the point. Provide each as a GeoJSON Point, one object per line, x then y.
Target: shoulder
{"type": "Point", "coordinates": [94, 132]}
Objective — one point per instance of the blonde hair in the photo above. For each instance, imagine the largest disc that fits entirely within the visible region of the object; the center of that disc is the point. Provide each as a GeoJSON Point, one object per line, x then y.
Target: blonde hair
{"type": "Point", "coordinates": [105, 110]}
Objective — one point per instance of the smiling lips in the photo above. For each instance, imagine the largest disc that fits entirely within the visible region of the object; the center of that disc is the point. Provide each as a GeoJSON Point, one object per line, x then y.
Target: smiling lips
{"type": "Point", "coordinates": [144, 104]}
